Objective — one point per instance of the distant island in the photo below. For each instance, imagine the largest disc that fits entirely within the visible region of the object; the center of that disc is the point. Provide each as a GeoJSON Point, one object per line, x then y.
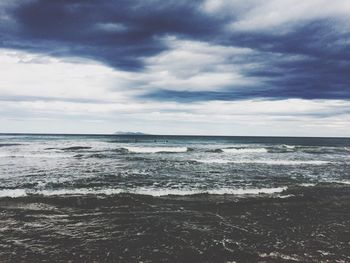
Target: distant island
{"type": "Point", "coordinates": [129, 133]}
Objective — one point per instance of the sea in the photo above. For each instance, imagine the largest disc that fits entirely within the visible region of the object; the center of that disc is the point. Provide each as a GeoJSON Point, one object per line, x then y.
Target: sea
{"type": "Point", "coordinates": [59, 165]}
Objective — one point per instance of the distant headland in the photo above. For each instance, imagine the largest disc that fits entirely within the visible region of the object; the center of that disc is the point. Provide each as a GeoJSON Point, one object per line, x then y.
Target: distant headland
{"type": "Point", "coordinates": [129, 133]}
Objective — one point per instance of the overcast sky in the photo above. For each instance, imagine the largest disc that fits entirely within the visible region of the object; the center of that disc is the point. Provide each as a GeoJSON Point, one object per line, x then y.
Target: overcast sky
{"type": "Point", "coordinates": [215, 67]}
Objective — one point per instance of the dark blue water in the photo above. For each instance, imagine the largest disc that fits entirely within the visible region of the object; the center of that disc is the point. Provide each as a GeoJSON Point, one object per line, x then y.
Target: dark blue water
{"type": "Point", "coordinates": [161, 165]}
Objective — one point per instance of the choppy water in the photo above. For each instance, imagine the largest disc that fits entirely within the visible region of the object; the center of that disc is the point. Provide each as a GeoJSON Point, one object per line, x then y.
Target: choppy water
{"type": "Point", "coordinates": [161, 165]}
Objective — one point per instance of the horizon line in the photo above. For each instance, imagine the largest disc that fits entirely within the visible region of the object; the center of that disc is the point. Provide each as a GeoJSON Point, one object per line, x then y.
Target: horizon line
{"type": "Point", "coordinates": [179, 135]}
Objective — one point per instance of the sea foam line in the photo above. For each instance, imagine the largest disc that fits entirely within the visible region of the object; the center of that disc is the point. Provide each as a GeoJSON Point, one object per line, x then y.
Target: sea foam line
{"type": "Point", "coordinates": [270, 162]}
{"type": "Point", "coordinates": [244, 150]}
{"type": "Point", "coordinates": [347, 182]}
{"type": "Point", "coordinates": [156, 149]}
{"type": "Point", "coordinates": [142, 191]}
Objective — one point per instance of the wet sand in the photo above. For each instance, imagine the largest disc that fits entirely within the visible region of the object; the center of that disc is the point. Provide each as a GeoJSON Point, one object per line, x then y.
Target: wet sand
{"type": "Point", "coordinates": [311, 225]}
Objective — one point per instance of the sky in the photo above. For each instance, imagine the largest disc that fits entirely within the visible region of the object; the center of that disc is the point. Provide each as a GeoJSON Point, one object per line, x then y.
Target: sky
{"type": "Point", "coordinates": [205, 67]}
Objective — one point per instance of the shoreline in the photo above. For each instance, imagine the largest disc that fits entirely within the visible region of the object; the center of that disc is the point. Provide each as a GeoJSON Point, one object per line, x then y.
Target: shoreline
{"type": "Point", "coordinates": [310, 225]}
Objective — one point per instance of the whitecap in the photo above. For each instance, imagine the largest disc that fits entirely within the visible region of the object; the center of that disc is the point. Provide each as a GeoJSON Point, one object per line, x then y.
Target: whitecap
{"type": "Point", "coordinates": [165, 191]}
{"type": "Point", "coordinates": [219, 161]}
{"type": "Point", "coordinates": [244, 150]}
{"type": "Point", "coordinates": [307, 184]}
{"type": "Point", "coordinates": [78, 191]}
{"type": "Point", "coordinates": [142, 191]}
{"type": "Point", "coordinates": [287, 162]}
{"type": "Point", "coordinates": [12, 193]}
{"type": "Point", "coordinates": [347, 182]}
{"type": "Point", "coordinates": [156, 149]}
{"type": "Point", "coordinates": [268, 162]}
{"type": "Point", "coordinates": [44, 156]}
{"type": "Point", "coordinates": [285, 196]}
{"type": "Point", "coordinates": [248, 191]}
{"type": "Point", "coordinates": [288, 146]}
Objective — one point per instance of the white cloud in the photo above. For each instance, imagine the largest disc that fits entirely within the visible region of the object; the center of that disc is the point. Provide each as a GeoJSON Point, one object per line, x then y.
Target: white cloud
{"type": "Point", "coordinates": [26, 74]}
{"type": "Point", "coordinates": [248, 117]}
{"type": "Point", "coordinates": [228, 7]}
{"type": "Point", "coordinates": [197, 66]}
{"type": "Point", "coordinates": [43, 94]}
{"type": "Point", "coordinates": [269, 14]}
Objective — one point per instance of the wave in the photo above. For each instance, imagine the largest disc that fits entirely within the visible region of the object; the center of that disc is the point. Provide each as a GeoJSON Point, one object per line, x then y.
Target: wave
{"type": "Point", "coordinates": [250, 191]}
{"type": "Point", "coordinates": [16, 155]}
{"type": "Point", "coordinates": [285, 148]}
{"type": "Point", "coordinates": [290, 162]}
{"type": "Point", "coordinates": [245, 150]}
{"type": "Point", "coordinates": [284, 196]}
{"type": "Point", "coordinates": [308, 184]}
{"type": "Point", "coordinates": [324, 150]}
{"type": "Point", "coordinates": [75, 148]}
{"type": "Point", "coordinates": [156, 149]}
{"type": "Point", "coordinates": [14, 193]}
{"type": "Point", "coordinates": [71, 148]}
{"type": "Point", "coordinates": [347, 182]}
{"type": "Point", "coordinates": [288, 146]}
{"type": "Point", "coordinates": [9, 144]}
{"type": "Point", "coordinates": [99, 156]}
{"type": "Point", "coordinates": [268, 162]}
{"type": "Point", "coordinates": [219, 161]}
{"type": "Point", "coordinates": [308, 149]}
{"type": "Point", "coordinates": [214, 151]}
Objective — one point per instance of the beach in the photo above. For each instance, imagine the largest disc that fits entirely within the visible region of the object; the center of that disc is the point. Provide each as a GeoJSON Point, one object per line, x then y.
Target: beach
{"type": "Point", "coordinates": [310, 224]}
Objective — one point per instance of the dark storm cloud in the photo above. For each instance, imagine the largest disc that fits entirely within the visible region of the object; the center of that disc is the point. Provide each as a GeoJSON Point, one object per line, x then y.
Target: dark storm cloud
{"type": "Point", "coordinates": [118, 33]}
{"type": "Point", "coordinates": [321, 71]}
{"type": "Point", "coordinates": [194, 96]}
{"type": "Point", "coordinates": [310, 60]}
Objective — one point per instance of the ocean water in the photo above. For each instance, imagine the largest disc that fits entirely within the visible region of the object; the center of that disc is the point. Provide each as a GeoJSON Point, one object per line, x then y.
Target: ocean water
{"type": "Point", "coordinates": [167, 165]}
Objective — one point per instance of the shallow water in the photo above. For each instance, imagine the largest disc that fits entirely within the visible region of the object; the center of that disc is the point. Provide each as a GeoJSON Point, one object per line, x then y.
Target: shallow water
{"type": "Point", "coordinates": [310, 224]}
{"type": "Point", "coordinates": [162, 165]}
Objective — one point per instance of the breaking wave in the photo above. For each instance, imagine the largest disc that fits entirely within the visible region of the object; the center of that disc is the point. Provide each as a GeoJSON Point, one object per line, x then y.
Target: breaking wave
{"type": "Point", "coordinates": [76, 148]}
{"type": "Point", "coordinates": [156, 149]}
{"type": "Point", "coordinates": [13, 193]}
{"type": "Point", "coordinates": [9, 144]}
{"type": "Point", "coordinates": [245, 150]}
{"type": "Point", "coordinates": [284, 148]}
{"type": "Point", "coordinates": [308, 149]}
{"type": "Point", "coordinates": [44, 156]}
{"type": "Point", "coordinates": [268, 162]}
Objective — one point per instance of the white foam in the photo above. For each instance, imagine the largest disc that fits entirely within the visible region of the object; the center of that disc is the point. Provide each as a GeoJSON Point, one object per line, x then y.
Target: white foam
{"type": "Point", "coordinates": [269, 162]}
{"type": "Point", "coordinates": [156, 149]}
{"type": "Point", "coordinates": [79, 191]}
{"type": "Point", "coordinates": [307, 184]}
{"type": "Point", "coordinates": [12, 193]}
{"type": "Point", "coordinates": [16, 155]}
{"type": "Point", "coordinates": [143, 191]}
{"type": "Point", "coordinates": [347, 182]}
{"type": "Point", "coordinates": [285, 196]}
{"type": "Point", "coordinates": [288, 146]}
{"type": "Point", "coordinates": [248, 191]}
{"type": "Point", "coordinates": [245, 150]}
{"type": "Point", "coordinates": [288, 162]}
{"type": "Point", "coordinates": [221, 161]}
{"type": "Point", "coordinates": [221, 191]}
{"type": "Point", "coordinates": [165, 192]}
